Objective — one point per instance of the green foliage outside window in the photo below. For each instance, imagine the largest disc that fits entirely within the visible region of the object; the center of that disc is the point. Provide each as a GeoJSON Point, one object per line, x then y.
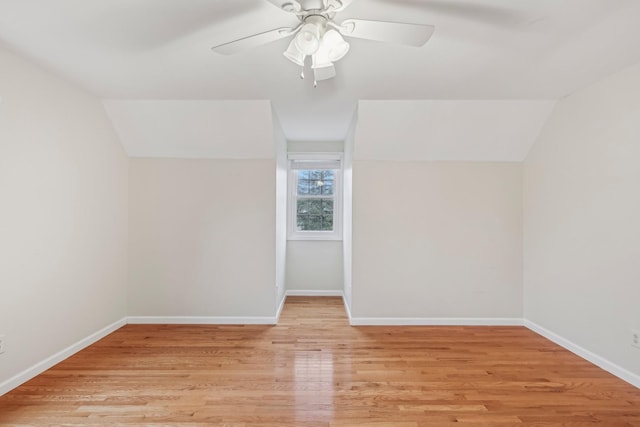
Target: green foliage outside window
{"type": "Point", "coordinates": [315, 190]}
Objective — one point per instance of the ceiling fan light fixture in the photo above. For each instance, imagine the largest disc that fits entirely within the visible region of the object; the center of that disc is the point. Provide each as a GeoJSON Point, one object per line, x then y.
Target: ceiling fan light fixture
{"type": "Point", "coordinates": [308, 39]}
{"type": "Point", "coordinates": [294, 55]}
{"type": "Point", "coordinates": [324, 73]}
{"type": "Point", "coordinates": [320, 59]}
{"type": "Point", "coordinates": [335, 45]}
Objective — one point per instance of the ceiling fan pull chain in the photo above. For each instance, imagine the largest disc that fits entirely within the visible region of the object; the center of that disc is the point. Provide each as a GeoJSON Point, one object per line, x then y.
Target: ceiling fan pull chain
{"type": "Point", "coordinates": [302, 73]}
{"type": "Point", "coordinates": [315, 83]}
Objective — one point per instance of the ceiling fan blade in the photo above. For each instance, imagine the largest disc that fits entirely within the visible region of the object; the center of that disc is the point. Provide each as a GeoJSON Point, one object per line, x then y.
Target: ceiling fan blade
{"type": "Point", "coordinates": [324, 73]}
{"type": "Point", "coordinates": [287, 5]}
{"type": "Point", "coordinates": [337, 5]}
{"type": "Point", "coordinates": [384, 31]}
{"type": "Point", "coordinates": [252, 41]}
{"type": "Point", "coordinates": [464, 9]}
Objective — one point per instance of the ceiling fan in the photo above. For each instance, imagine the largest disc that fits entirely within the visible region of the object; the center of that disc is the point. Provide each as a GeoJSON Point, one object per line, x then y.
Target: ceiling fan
{"type": "Point", "coordinates": [319, 36]}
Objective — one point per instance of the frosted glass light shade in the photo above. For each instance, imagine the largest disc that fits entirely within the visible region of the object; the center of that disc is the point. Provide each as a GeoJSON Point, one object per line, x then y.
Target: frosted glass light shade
{"type": "Point", "coordinates": [335, 45]}
{"type": "Point", "coordinates": [324, 73]}
{"type": "Point", "coordinates": [308, 39]}
{"type": "Point", "coordinates": [294, 55]}
{"type": "Point", "coordinates": [320, 59]}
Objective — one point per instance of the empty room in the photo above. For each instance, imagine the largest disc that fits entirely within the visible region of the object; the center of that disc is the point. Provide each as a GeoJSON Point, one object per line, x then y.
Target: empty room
{"type": "Point", "coordinates": [385, 213]}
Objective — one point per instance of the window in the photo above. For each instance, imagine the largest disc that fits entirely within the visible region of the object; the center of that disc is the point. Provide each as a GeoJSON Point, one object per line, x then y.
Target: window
{"type": "Point", "coordinates": [314, 197]}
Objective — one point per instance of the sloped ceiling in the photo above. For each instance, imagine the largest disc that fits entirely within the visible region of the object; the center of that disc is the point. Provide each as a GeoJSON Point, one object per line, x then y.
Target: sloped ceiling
{"type": "Point", "coordinates": [449, 130]}
{"type": "Point", "coordinates": [133, 50]}
{"type": "Point", "coordinates": [194, 128]}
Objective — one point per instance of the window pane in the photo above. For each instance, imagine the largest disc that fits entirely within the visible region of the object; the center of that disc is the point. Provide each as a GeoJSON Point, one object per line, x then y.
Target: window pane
{"type": "Point", "coordinates": [328, 175]}
{"type": "Point", "coordinates": [303, 174]}
{"type": "Point", "coordinates": [309, 222]}
{"type": "Point", "coordinates": [317, 182]}
{"type": "Point", "coordinates": [315, 206]}
{"type": "Point", "coordinates": [315, 187]}
{"type": "Point", "coordinates": [327, 207]}
{"type": "Point", "coordinates": [315, 175]}
{"type": "Point", "coordinates": [303, 223]}
{"type": "Point", "coordinates": [327, 188]}
{"type": "Point", "coordinates": [327, 222]}
{"type": "Point", "coordinates": [303, 186]}
{"type": "Point", "coordinates": [303, 206]}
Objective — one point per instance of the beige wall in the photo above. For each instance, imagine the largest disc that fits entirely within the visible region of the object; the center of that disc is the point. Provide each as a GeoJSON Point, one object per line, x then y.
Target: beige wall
{"type": "Point", "coordinates": [202, 238]}
{"type": "Point", "coordinates": [437, 240]}
{"type": "Point", "coordinates": [582, 220]}
{"type": "Point", "coordinates": [63, 216]}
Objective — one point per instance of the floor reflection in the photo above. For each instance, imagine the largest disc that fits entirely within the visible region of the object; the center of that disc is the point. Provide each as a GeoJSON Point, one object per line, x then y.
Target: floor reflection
{"type": "Point", "coordinates": [313, 377]}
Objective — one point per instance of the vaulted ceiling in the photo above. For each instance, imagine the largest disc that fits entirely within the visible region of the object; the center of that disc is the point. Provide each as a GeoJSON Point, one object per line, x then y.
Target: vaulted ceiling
{"type": "Point", "coordinates": [132, 50]}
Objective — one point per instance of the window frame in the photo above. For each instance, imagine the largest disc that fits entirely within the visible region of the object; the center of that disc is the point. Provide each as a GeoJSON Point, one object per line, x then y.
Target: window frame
{"type": "Point", "coordinates": [317, 159]}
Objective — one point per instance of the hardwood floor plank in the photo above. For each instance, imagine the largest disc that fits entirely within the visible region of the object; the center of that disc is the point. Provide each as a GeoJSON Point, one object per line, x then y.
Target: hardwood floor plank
{"type": "Point", "coordinates": [313, 369]}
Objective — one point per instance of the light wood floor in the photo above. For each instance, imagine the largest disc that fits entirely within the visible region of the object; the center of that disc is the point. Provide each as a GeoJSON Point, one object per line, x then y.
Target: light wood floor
{"type": "Point", "coordinates": [313, 369]}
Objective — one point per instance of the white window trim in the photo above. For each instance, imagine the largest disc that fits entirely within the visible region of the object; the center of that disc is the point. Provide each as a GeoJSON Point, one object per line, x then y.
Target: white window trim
{"type": "Point", "coordinates": [292, 232]}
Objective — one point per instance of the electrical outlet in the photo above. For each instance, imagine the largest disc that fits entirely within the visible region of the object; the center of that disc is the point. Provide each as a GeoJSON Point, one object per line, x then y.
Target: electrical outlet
{"type": "Point", "coordinates": [635, 338]}
{"type": "Point", "coordinates": [2, 344]}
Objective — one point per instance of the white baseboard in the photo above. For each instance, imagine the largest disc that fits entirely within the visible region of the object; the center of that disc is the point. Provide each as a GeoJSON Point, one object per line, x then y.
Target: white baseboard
{"type": "Point", "coordinates": [280, 307]}
{"type": "Point", "coordinates": [347, 309]}
{"type": "Point", "coordinates": [597, 360]}
{"type": "Point", "coordinates": [201, 320]}
{"type": "Point", "coordinates": [435, 321]}
{"type": "Point", "coordinates": [304, 293]}
{"type": "Point", "coordinates": [51, 361]}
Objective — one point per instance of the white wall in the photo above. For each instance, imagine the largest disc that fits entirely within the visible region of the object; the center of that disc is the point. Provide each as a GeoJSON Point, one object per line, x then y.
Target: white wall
{"type": "Point", "coordinates": [63, 216]}
{"type": "Point", "coordinates": [202, 237]}
{"type": "Point", "coordinates": [314, 265]}
{"type": "Point", "coordinates": [582, 220]}
{"type": "Point", "coordinates": [437, 240]}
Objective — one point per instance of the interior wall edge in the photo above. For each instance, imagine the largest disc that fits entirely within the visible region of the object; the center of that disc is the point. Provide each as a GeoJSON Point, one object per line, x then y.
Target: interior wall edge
{"type": "Point", "coordinates": [279, 310]}
{"type": "Point", "coordinates": [345, 302]}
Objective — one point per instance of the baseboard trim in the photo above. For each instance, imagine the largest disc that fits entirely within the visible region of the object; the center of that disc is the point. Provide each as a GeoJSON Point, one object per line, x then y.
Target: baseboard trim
{"type": "Point", "coordinates": [347, 309]}
{"type": "Point", "coordinates": [589, 356]}
{"type": "Point", "coordinates": [280, 307]}
{"type": "Point", "coordinates": [305, 293]}
{"type": "Point", "coordinates": [435, 321]}
{"type": "Point", "coordinates": [201, 320]}
{"type": "Point", "coordinates": [58, 357]}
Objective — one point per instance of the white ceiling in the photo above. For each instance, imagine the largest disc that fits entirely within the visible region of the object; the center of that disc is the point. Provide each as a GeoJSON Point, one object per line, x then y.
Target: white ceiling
{"type": "Point", "coordinates": [481, 50]}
